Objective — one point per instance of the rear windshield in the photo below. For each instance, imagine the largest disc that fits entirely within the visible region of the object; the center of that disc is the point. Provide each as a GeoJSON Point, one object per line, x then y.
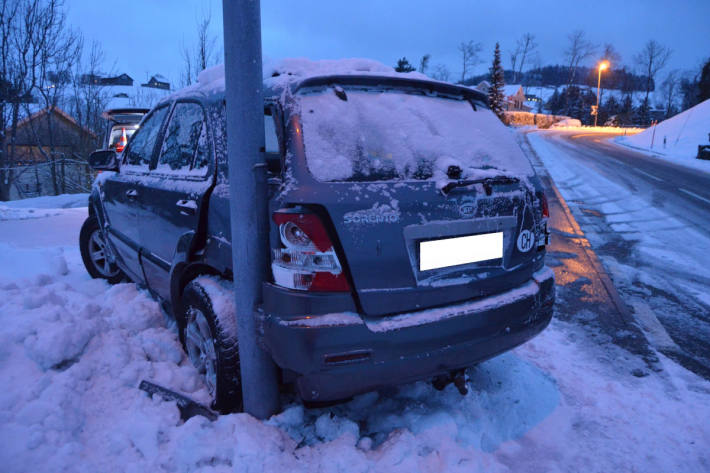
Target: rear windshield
{"type": "Point", "coordinates": [117, 133]}
{"type": "Point", "coordinates": [357, 134]}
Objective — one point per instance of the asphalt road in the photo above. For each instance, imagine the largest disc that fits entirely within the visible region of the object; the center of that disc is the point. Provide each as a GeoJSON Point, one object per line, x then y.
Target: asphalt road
{"type": "Point", "coordinates": [675, 318]}
{"type": "Point", "coordinates": [672, 186]}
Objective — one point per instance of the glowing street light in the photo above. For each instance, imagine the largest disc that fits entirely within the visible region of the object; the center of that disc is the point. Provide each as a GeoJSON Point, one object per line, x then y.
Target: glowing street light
{"type": "Point", "coordinates": [602, 66]}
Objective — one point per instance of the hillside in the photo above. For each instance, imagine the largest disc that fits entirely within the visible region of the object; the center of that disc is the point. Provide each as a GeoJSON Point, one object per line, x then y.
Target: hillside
{"type": "Point", "coordinates": [682, 134]}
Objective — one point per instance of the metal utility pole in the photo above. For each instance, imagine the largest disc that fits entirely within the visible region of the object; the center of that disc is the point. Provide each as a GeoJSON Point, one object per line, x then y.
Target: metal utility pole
{"type": "Point", "coordinates": [247, 188]}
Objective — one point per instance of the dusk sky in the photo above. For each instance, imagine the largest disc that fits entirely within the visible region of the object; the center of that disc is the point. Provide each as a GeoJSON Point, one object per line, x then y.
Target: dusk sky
{"type": "Point", "coordinates": [143, 37]}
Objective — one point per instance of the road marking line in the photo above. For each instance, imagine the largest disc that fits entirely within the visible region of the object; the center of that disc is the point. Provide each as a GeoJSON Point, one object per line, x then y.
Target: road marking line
{"type": "Point", "coordinates": [694, 195]}
{"type": "Point", "coordinates": [650, 175]}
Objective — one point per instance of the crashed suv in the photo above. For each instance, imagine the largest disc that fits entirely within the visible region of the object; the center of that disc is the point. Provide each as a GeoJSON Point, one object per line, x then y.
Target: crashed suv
{"type": "Point", "coordinates": [407, 235]}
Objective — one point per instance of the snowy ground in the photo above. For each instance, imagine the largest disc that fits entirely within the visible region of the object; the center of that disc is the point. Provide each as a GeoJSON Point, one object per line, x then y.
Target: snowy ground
{"type": "Point", "coordinates": [677, 138]}
{"type": "Point", "coordinates": [73, 350]}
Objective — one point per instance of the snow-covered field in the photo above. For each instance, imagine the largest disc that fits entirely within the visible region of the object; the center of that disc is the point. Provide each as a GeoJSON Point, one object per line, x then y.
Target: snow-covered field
{"type": "Point", "coordinates": [73, 351]}
{"type": "Point", "coordinates": [677, 138]}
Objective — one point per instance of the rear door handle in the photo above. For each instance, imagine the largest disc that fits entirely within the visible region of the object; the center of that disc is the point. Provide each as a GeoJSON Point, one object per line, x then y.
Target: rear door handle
{"type": "Point", "coordinates": [187, 207]}
{"type": "Point", "coordinates": [131, 193]}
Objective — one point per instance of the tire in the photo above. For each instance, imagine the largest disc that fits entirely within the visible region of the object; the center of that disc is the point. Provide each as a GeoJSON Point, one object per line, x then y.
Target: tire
{"type": "Point", "coordinates": [93, 252]}
{"type": "Point", "coordinates": [209, 336]}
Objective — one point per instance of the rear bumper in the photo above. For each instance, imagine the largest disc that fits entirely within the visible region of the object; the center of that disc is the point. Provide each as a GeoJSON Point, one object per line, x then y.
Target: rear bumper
{"type": "Point", "coordinates": [338, 355]}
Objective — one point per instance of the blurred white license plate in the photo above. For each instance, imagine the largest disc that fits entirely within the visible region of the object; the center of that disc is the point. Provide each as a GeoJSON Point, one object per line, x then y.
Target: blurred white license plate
{"type": "Point", "coordinates": [461, 250]}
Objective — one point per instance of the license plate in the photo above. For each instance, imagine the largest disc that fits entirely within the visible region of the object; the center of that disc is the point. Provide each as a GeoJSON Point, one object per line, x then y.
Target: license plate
{"type": "Point", "coordinates": [460, 250]}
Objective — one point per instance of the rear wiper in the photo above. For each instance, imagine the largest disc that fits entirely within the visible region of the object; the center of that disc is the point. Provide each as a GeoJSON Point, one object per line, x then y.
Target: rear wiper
{"type": "Point", "coordinates": [487, 182]}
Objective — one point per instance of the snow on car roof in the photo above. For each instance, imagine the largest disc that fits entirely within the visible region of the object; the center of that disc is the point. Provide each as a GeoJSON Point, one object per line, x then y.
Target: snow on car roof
{"type": "Point", "coordinates": [281, 73]}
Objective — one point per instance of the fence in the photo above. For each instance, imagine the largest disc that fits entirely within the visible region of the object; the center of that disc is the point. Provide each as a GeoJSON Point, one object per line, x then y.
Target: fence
{"type": "Point", "coordinates": [58, 176]}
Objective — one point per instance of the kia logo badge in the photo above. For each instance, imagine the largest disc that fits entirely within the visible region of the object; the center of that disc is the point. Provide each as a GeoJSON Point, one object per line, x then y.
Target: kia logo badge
{"type": "Point", "coordinates": [467, 209]}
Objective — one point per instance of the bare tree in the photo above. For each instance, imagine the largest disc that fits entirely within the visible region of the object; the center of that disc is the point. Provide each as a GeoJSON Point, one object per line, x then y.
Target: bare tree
{"type": "Point", "coordinates": [37, 53]}
{"type": "Point", "coordinates": [525, 48]}
{"type": "Point", "coordinates": [578, 49]}
{"type": "Point", "coordinates": [441, 72]}
{"type": "Point", "coordinates": [424, 63]}
{"type": "Point", "coordinates": [89, 99]}
{"type": "Point", "coordinates": [670, 90]}
{"type": "Point", "coordinates": [651, 59]}
{"type": "Point", "coordinates": [202, 54]}
{"type": "Point", "coordinates": [469, 56]}
{"type": "Point", "coordinates": [514, 60]}
{"type": "Point", "coordinates": [611, 54]}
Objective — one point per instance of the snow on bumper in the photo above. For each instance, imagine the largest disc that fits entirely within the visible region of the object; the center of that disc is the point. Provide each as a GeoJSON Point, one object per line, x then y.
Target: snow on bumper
{"type": "Point", "coordinates": [336, 356]}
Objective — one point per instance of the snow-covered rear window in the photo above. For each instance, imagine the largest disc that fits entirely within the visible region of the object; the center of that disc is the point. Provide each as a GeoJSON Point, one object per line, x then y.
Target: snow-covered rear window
{"type": "Point", "coordinates": [354, 134]}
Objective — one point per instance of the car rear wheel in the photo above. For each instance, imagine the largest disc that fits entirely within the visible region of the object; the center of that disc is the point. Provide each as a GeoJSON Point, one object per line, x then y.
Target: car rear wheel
{"type": "Point", "coordinates": [208, 333]}
{"type": "Point", "coordinates": [94, 253]}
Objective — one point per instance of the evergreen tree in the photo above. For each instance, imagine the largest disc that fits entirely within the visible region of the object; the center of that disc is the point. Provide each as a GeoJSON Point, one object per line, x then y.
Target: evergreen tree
{"type": "Point", "coordinates": [403, 65]}
{"type": "Point", "coordinates": [643, 113]}
{"type": "Point", "coordinates": [496, 97]}
{"type": "Point", "coordinates": [555, 103]}
{"type": "Point", "coordinates": [704, 83]}
{"type": "Point", "coordinates": [609, 111]}
{"type": "Point", "coordinates": [627, 111]}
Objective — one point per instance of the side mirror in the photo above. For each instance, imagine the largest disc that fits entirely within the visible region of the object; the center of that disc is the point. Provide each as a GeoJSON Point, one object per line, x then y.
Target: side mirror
{"type": "Point", "coordinates": [104, 160]}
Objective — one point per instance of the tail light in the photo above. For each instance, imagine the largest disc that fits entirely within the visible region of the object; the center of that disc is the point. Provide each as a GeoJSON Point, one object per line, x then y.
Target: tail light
{"type": "Point", "coordinates": [306, 259]}
{"type": "Point", "coordinates": [544, 232]}
{"type": "Point", "coordinates": [543, 203]}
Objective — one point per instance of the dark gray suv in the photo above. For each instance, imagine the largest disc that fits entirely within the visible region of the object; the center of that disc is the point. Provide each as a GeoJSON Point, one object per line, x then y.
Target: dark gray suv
{"type": "Point", "coordinates": [407, 236]}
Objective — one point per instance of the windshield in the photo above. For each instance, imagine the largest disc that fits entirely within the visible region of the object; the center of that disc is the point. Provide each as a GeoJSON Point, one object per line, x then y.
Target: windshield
{"type": "Point", "coordinates": [353, 134]}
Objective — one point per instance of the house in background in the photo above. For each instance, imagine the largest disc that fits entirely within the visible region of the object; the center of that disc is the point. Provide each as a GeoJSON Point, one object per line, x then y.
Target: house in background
{"type": "Point", "coordinates": [157, 82]}
{"type": "Point", "coordinates": [49, 154]}
{"type": "Point", "coordinates": [513, 94]}
{"type": "Point", "coordinates": [125, 92]}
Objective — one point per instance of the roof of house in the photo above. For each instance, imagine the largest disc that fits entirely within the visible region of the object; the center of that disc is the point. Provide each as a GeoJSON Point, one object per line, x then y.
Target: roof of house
{"type": "Point", "coordinates": [512, 89]}
{"type": "Point", "coordinates": [57, 111]}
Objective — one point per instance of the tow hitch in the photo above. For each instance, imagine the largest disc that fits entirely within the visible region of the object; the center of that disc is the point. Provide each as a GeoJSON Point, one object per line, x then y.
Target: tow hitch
{"type": "Point", "coordinates": [458, 377]}
{"type": "Point", "coordinates": [188, 408]}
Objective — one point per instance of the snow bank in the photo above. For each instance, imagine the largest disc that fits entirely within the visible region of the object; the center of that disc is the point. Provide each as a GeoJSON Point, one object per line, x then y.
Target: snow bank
{"type": "Point", "coordinates": [73, 351]}
{"type": "Point", "coordinates": [567, 122]}
{"type": "Point", "coordinates": [39, 207]}
{"type": "Point", "coordinates": [541, 120]}
{"type": "Point", "coordinates": [682, 134]}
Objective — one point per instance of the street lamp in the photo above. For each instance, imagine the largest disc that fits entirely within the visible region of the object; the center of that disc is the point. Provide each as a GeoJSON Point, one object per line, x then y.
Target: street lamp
{"type": "Point", "coordinates": [602, 66]}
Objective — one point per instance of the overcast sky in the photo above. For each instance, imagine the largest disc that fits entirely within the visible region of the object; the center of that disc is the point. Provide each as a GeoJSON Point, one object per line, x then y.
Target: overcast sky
{"type": "Point", "coordinates": [143, 37]}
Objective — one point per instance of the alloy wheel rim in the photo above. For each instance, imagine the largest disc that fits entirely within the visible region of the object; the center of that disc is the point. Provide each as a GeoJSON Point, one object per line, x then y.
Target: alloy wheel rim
{"type": "Point", "coordinates": [97, 253]}
{"type": "Point", "coordinates": [200, 348]}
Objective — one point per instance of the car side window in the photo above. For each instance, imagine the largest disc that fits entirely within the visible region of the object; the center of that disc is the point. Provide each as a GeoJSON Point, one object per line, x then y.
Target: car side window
{"type": "Point", "coordinates": [272, 153]}
{"type": "Point", "coordinates": [271, 139]}
{"type": "Point", "coordinates": [185, 140]}
{"type": "Point", "coordinates": [140, 149]}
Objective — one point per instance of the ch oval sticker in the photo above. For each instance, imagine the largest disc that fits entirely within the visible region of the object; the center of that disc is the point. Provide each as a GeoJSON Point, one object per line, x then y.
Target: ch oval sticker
{"type": "Point", "coordinates": [525, 241]}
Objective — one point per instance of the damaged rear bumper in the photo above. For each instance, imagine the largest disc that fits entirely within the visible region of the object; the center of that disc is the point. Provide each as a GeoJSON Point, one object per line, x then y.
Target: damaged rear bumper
{"type": "Point", "coordinates": [335, 356]}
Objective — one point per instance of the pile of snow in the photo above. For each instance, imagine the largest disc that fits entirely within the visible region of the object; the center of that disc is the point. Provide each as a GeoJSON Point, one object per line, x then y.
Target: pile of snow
{"type": "Point", "coordinates": [567, 122]}
{"type": "Point", "coordinates": [73, 351]}
{"type": "Point", "coordinates": [682, 134]}
{"type": "Point", "coordinates": [302, 68]}
{"type": "Point", "coordinates": [38, 207]}
{"type": "Point", "coordinates": [597, 129]}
